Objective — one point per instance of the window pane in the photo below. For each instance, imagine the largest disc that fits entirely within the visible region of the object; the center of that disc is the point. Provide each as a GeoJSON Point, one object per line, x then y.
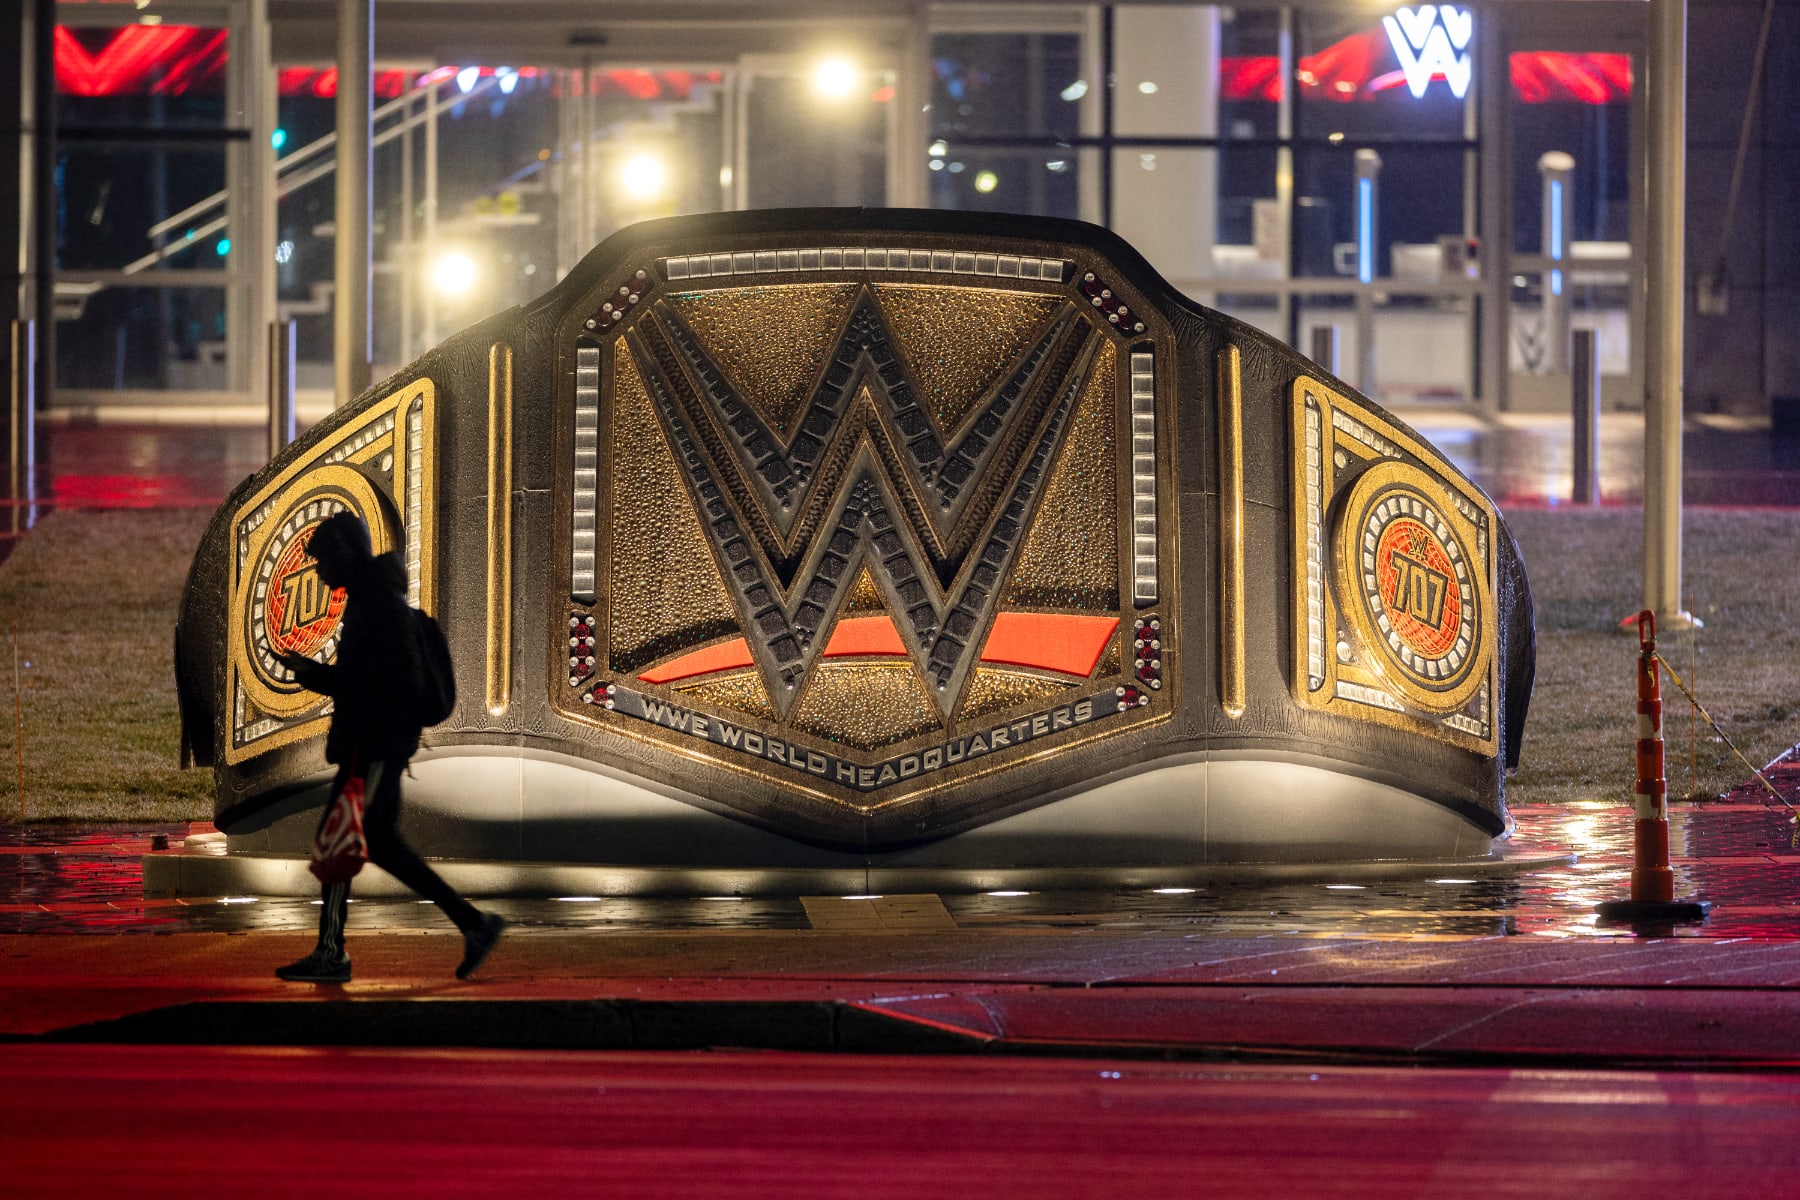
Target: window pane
{"type": "Point", "coordinates": [1251, 241]}
{"type": "Point", "coordinates": [1007, 84]}
{"type": "Point", "coordinates": [1578, 104]}
{"type": "Point", "coordinates": [808, 149]}
{"type": "Point", "coordinates": [171, 338]}
{"type": "Point", "coordinates": [1166, 71]}
{"type": "Point", "coordinates": [141, 76]}
{"type": "Point", "coordinates": [1353, 80]}
{"type": "Point", "coordinates": [1043, 183]}
{"type": "Point", "coordinates": [112, 194]}
{"type": "Point", "coordinates": [1418, 198]}
{"type": "Point", "coordinates": [1250, 73]}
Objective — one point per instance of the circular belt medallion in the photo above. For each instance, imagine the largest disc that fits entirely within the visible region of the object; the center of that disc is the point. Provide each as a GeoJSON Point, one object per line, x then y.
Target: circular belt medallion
{"type": "Point", "coordinates": [1414, 596]}
{"type": "Point", "coordinates": [284, 606]}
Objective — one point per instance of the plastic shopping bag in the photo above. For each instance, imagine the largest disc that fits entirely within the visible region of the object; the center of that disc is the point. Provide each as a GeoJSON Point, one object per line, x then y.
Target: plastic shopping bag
{"type": "Point", "coordinates": [340, 850]}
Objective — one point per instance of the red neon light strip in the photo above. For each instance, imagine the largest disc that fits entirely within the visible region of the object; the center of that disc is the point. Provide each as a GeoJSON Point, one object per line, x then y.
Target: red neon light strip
{"type": "Point", "coordinates": [1068, 645]}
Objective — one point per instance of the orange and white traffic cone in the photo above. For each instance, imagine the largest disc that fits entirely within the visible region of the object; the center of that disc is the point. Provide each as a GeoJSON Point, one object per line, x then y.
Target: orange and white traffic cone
{"type": "Point", "coordinates": [1652, 882]}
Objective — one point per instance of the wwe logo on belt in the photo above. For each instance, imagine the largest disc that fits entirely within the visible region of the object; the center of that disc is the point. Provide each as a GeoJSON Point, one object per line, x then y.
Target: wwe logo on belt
{"type": "Point", "coordinates": [865, 478]}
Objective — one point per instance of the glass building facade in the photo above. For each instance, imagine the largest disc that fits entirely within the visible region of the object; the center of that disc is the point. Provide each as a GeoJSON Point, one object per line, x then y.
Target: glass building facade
{"type": "Point", "coordinates": [1429, 197]}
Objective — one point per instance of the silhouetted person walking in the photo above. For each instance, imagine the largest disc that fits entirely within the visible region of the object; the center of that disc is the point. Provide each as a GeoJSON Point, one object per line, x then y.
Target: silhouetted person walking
{"type": "Point", "coordinates": [374, 686]}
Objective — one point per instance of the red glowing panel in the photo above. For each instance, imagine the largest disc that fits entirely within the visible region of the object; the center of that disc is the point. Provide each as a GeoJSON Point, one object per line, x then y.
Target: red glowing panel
{"type": "Point", "coordinates": [726, 656]}
{"type": "Point", "coordinates": [161, 60]}
{"type": "Point", "coordinates": [1070, 645]}
{"type": "Point", "coordinates": [1066, 644]}
{"type": "Point", "coordinates": [1543, 76]}
{"type": "Point", "coordinates": [864, 635]}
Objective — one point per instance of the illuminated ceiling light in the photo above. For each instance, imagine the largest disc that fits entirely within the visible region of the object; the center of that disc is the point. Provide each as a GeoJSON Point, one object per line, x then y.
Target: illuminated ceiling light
{"type": "Point", "coordinates": [1059, 165]}
{"type": "Point", "coordinates": [454, 273]}
{"type": "Point", "coordinates": [284, 250]}
{"type": "Point", "coordinates": [862, 897]}
{"type": "Point", "coordinates": [237, 899]}
{"type": "Point", "coordinates": [939, 148]}
{"type": "Point", "coordinates": [937, 164]}
{"type": "Point", "coordinates": [1009, 893]}
{"type": "Point", "coordinates": [1334, 138]}
{"type": "Point", "coordinates": [1075, 91]}
{"type": "Point", "coordinates": [644, 176]}
{"type": "Point", "coordinates": [1173, 891]}
{"type": "Point", "coordinates": [1147, 87]}
{"type": "Point", "coordinates": [465, 79]}
{"type": "Point", "coordinates": [1453, 881]}
{"type": "Point", "coordinates": [1345, 887]}
{"type": "Point", "coordinates": [834, 78]}
{"type": "Point", "coordinates": [986, 181]}
{"type": "Point", "coordinates": [508, 79]}
{"type": "Point", "coordinates": [578, 899]}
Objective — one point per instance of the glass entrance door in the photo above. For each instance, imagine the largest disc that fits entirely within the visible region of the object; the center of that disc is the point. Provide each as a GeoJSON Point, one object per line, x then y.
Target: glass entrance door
{"type": "Point", "coordinates": [1574, 129]}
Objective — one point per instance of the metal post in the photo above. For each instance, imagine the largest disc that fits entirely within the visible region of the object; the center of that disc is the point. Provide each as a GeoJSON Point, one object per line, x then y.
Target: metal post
{"type": "Point", "coordinates": [355, 50]}
{"type": "Point", "coordinates": [428, 239]}
{"type": "Point", "coordinates": [1667, 294]}
{"type": "Point", "coordinates": [408, 264]}
{"type": "Point", "coordinates": [282, 425]}
{"type": "Point", "coordinates": [1584, 394]}
{"type": "Point", "coordinates": [1558, 173]}
{"type": "Point", "coordinates": [43, 203]}
{"type": "Point", "coordinates": [23, 431]}
{"type": "Point", "coordinates": [1368, 225]}
{"type": "Point", "coordinates": [1325, 347]}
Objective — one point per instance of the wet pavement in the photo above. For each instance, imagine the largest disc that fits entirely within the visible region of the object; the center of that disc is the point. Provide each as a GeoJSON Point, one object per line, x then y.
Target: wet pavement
{"type": "Point", "coordinates": [1739, 854]}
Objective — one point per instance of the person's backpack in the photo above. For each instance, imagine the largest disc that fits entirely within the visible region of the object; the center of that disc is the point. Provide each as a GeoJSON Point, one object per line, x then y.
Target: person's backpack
{"type": "Point", "coordinates": [437, 687]}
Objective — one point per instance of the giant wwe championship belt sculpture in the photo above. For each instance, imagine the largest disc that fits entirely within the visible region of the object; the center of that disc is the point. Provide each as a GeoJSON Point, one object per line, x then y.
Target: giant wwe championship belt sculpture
{"type": "Point", "coordinates": [799, 539]}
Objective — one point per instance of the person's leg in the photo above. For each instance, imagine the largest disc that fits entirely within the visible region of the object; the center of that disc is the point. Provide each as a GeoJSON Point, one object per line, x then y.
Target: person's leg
{"type": "Point", "coordinates": [328, 963]}
{"type": "Point", "coordinates": [381, 825]}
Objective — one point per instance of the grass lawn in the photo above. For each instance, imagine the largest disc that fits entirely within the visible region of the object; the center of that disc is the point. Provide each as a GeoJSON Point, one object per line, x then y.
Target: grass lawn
{"type": "Point", "coordinates": [94, 596]}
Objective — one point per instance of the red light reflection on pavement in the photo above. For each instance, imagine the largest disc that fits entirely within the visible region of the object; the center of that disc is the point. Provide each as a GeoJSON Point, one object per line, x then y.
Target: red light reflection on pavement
{"type": "Point", "coordinates": [97, 1120]}
{"type": "Point", "coordinates": [127, 491]}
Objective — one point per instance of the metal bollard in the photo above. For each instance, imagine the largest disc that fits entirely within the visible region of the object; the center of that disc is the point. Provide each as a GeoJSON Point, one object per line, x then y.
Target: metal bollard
{"type": "Point", "coordinates": [1325, 347]}
{"type": "Point", "coordinates": [1584, 396]}
{"type": "Point", "coordinates": [1652, 881]}
{"type": "Point", "coordinates": [22, 432]}
{"type": "Point", "coordinates": [282, 427]}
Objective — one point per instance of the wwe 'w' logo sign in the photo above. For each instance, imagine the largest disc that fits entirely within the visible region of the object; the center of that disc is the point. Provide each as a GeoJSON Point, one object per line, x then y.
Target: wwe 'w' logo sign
{"type": "Point", "coordinates": [1432, 40]}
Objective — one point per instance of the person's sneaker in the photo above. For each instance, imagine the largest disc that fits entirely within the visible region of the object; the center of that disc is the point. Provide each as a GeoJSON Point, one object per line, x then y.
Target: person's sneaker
{"type": "Point", "coordinates": [317, 967]}
{"type": "Point", "coordinates": [479, 943]}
